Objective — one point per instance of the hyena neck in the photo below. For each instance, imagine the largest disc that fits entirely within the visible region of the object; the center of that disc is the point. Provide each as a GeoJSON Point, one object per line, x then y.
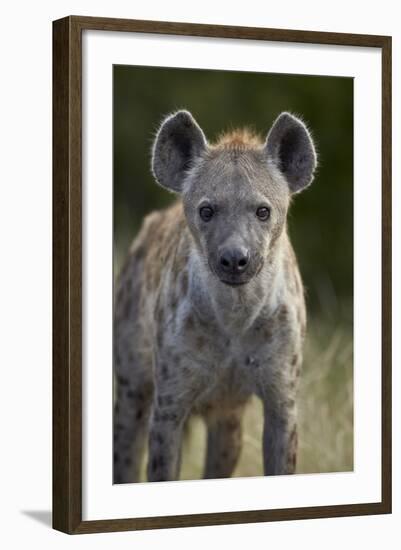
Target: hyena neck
{"type": "Point", "coordinates": [235, 309]}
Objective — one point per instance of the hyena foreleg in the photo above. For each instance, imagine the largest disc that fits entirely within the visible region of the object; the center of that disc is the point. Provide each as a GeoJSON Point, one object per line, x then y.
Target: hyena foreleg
{"type": "Point", "coordinates": [131, 419]}
{"type": "Point", "coordinates": [280, 438]}
{"type": "Point", "coordinates": [224, 442]}
{"type": "Point", "coordinates": [173, 401]}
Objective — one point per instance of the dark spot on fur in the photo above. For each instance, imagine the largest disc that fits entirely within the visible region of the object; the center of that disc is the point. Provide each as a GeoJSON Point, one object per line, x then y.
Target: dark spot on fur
{"type": "Point", "coordinates": [154, 464]}
{"type": "Point", "coordinates": [128, 285]}
{"type": "Point", "coordinates": [139, 252]}
{"type": "Point", "coordinates": [173, 302]}
{"type": "Point", "coordinates": [200, 342]}
{"type": "Point", "coordinates": [184, 283]}
{"type": "Point", "coordinates": [160, 338]}
{"type": "Point", "coordinates": [159, 438]}
{"type": "Point", "coordinates": [168, 400]}
{"type": "Point", "coordinates": [160, 314]}
{"type": "Point", "coordinates": [232, 424]}
{"type": "Point", "coordinates": [294, 360]}
{"type": "Point", "coordinates": [164, 371]}
{"type": "Point", "coordinates": [189, 322]}
{"type": "Point", "coordinates": [116, 458]}
{"type": "Point", "coordinates": [175, 272]}
{"type": "Point", "coordinates": [166, 417]}
{"type": "Point", "coordinates": [252, 361]}
{"type": "Point", "coordinates": [207, 408]}
{"type": "Point", "coordinates": [283, 313]}
{"type": "Point", "coordinates": [123, 381]}
{"type": "Point", "coordinates": [160, 400]}
{"type": "Point", "coordinates": [176, 361]}
{"type": "Point", "coordinates": [267, 334]}
{"type": "Point", "coordinates": [135, 395]}
{"type": "Point", "coordinates": [127, 308]}
{"type": "Point", "coordinates": [139, 414]}
{"type": "Point", "coordinates": [202, 322]}
{"type": "Point", "coordinates": [119, 296]}
{"type": "Point", "coordinates": [157, 462]}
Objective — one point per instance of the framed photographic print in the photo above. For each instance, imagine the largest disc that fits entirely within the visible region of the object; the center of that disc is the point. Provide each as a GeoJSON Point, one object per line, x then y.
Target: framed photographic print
{"type": "Point", "coordinates": [221, 274]}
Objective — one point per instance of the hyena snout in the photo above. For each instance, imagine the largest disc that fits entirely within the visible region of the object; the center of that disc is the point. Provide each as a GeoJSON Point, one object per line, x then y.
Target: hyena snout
{"type": "Point", "coordinates": [235, 263]}
{"type": "Point", "coordinates": [234, 260]}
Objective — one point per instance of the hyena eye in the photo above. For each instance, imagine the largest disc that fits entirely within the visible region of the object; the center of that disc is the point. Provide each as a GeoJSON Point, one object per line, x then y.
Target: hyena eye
{"type": "Point", "coordinates": [263, 213]}
{"type": "Point", "coordinates": [206, 213]}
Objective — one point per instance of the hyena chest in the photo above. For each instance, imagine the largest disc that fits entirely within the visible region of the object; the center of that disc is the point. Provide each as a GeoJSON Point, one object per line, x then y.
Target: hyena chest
{"type": "Point", "coordinates": [223, 359]}
{"type": "Point", "coordinates": [229, 364]}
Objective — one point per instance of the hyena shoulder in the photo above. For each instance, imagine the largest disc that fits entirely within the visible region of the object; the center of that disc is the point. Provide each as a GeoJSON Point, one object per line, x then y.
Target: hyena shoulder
{"type": "Point", "coordinates": [157, 240]}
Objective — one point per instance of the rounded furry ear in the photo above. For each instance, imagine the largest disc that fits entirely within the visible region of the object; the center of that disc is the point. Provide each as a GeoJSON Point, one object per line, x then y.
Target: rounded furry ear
{"type": "Point", "coordinates": [290, 147]}
{"type": "Point", "coordinates": [178, 143]}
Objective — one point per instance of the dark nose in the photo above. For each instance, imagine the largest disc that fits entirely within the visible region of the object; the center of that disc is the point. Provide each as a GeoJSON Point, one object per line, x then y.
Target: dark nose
{"type": "Point", "coordinates": [234, 260]}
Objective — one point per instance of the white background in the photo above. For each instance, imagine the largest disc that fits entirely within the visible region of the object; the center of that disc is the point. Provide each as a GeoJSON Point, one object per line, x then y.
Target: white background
{"type": "Point", "coordinates": [25, 289]}
{"type": "Point", "coordinates": [101, 499]}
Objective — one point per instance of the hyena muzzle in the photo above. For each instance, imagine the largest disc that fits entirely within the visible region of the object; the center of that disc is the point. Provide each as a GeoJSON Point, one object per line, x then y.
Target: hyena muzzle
{"type": "Point", "coordinates": [209, 306]}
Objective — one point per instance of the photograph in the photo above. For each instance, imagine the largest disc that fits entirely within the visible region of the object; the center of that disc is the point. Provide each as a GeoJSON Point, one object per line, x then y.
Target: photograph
{"type": "Point", "coordinates": [233, 274]}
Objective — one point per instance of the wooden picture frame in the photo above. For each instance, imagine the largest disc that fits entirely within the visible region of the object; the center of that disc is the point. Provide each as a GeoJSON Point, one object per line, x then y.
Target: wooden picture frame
{"type": "Point", "coordinates": [67, 273]}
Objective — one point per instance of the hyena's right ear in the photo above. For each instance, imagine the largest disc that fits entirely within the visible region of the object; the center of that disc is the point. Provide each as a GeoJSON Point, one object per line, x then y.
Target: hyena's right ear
{"type": "Point", "coordinates": [178, 143]}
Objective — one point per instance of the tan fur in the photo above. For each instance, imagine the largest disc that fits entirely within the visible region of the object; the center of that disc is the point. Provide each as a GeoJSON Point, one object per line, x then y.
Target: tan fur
{"type": "Point", "coordinates": [240, 139]}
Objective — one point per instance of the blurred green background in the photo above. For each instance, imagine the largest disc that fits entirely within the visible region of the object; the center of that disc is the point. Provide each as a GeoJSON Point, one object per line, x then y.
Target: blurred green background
{"type": "Point", "coordinates": [320, 225]}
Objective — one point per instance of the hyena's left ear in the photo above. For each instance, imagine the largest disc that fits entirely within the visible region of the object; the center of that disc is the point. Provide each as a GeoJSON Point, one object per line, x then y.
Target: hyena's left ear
{"type": "Point", "coordinates": [178, 143]}
{"type": "Point", "coordinates": [290, 147]}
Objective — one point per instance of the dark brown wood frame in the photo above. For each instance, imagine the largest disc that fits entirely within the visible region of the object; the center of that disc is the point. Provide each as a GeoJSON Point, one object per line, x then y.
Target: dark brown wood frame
{"type": "Point", "coordinates": [67, 274]}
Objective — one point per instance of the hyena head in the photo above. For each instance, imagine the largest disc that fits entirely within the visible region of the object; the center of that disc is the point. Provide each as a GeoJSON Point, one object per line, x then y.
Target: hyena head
{"type": "Point", "coordinates": [236, 192]}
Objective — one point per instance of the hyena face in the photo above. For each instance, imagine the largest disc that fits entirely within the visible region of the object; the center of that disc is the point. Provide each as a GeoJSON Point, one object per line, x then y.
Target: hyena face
{"type": "Point", "coordinates": [235, 193]}
{"type": "Point", "coordinates": [235, 211]}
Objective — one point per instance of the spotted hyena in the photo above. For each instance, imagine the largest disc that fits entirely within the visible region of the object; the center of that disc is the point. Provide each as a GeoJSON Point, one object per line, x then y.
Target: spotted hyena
{"type": "Point", "coordinates": [209, 306]}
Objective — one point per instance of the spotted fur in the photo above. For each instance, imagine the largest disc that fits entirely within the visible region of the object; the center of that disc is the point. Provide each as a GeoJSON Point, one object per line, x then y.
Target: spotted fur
{"type": "Point", "coordinates": [191, 338]}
